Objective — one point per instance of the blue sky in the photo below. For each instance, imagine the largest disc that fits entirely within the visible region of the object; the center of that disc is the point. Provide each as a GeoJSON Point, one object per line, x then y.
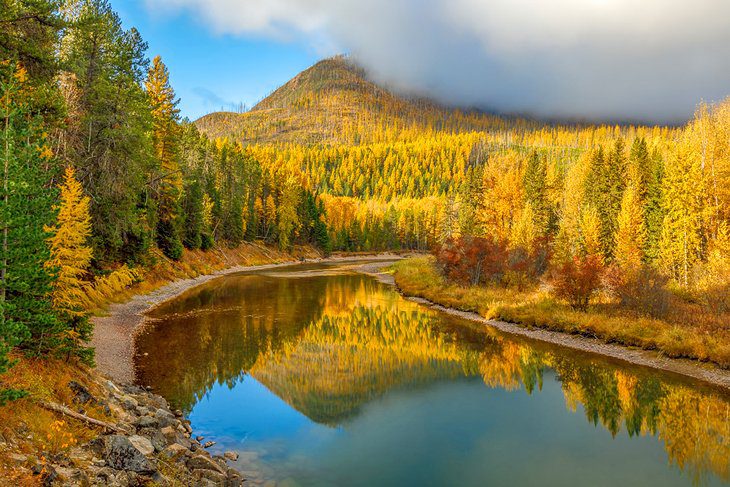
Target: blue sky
{"type": "Point", "coordinates": [209, 70]}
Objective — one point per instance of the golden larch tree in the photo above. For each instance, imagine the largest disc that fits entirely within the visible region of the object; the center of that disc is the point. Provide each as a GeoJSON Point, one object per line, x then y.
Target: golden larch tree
{"type": "Point", "coordinates": [71, 253]}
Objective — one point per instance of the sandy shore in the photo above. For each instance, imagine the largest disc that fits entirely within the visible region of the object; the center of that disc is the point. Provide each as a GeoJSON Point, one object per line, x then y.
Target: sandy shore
{"type": "Point", "coordinates": [114, 333]}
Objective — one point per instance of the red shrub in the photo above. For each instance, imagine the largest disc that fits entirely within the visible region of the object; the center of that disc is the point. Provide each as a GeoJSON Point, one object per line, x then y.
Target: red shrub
{"type": "Point", "coordinates": [578, 279]}
{"type": "Point", "coordinates": [473, 260]}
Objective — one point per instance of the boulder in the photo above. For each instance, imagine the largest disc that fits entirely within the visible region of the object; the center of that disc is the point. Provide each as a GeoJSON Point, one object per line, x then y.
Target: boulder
{"type": "Point", "coordinates": [165, 418]}
{"type": "Point", "coordinates": [175, 450]}
{"type": "Point", "coordinates": [81, 393]}
{"type": "Point", "coordinates": [231, 455]}
{"type": "Point", "coordinates": [216, 477]}
{"type": "Point", "coordinates": [142, 444]}
{"type": "Point", "coordinates": [203, 462]}
{"type": "Point", "coordinates": [155, 436]}
{"type": "Point", "coordinates": [147, 422]}
{"type": "Point", "coordinates": [173, 436]}
{"type": "Point", "coordinates": [121, 454]}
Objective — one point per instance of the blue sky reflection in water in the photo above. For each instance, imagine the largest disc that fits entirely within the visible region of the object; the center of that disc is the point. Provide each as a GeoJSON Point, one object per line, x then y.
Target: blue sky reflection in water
{"type": "Point", "coordinates": [327, 405]}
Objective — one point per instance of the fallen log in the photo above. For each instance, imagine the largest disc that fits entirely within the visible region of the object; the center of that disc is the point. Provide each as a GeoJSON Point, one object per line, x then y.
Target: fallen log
{"type": "Point", "coordinates": [59, 408]}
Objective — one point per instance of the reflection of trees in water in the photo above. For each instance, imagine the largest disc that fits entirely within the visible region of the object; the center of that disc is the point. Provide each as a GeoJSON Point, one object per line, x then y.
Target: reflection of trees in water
{"type": "Point", "coordinates": [327, 346]}
{"type": "Point", "coordinates": [345, 360]}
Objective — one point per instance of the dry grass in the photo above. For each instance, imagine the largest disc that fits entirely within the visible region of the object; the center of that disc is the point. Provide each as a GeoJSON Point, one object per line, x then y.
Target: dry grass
{"type": "Point", "coordinates": [33, 430]}
{"type": "Point", "coordinates": [687, 331]}
{"type": "Point", "coordinates": [197, 262]}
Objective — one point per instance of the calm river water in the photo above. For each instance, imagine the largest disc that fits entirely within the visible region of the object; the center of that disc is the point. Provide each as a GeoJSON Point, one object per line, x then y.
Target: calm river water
{"type": "Point", "coordinates": [321, 376]}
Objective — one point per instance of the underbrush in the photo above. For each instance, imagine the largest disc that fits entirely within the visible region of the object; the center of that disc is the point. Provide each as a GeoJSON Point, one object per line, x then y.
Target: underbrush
{"type": "Point", "coordinates": [686, 330]}
{"type": "Point", "coordinates": [30, 430]}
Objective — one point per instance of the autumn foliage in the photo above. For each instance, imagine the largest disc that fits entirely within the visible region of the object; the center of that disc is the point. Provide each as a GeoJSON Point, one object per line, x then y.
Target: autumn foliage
{"type": "Point", "coordinates": [577, 280]}
{"type": "Point", "coordinates": [473, 260]}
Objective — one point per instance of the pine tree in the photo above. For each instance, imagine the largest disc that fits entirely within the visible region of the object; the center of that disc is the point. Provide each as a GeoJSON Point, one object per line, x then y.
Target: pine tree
{"type": "Point", "coordinates": [26, 210]}
{"type": "Point", "coordinates": [535, 183]}
{"type": "Point", "coordinates": [70, 260]}
{"type": "Point", "coordinates": [165, 134]}
{"type": "Point", "coordinates": [106, 134]}
{"type": "Point", "coordinates": [605, 187]}
{"type": "Point", "coordinates": [654, 208]}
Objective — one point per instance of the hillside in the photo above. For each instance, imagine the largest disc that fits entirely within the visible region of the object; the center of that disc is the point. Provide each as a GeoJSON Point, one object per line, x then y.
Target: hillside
{"type": "Point", "coordinates": [335, 102]}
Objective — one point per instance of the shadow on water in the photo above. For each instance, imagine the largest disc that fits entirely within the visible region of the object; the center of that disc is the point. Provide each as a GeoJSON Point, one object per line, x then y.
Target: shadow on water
{"type": "Point", "coordinates": [321, 376]}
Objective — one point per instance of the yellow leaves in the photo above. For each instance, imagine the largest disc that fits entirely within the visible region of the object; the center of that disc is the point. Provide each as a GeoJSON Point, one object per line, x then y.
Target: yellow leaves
{"type": "Point", "coordinates": [630, 237]}
{"type": "Point", "coordinates": [70, 253]}
{"type": "Point", "coordinates": [590, 231]}
{"type": "Point", "coordinates": [21, 74]}
{"type": "Point", "coordinates": [45, 152]}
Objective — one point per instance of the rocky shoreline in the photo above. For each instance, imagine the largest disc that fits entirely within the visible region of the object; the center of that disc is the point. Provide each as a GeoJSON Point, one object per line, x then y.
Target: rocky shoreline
{"type": "Point", "coordinates": [143, 442]}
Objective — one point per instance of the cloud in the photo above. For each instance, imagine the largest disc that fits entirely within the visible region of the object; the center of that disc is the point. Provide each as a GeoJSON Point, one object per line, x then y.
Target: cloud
{"type": "Point", "coordinates": [615, 59]}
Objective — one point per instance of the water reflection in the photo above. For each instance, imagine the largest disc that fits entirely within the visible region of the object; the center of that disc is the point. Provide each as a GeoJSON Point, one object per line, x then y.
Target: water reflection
{"type": "Point", "coordinates": [335, 346]}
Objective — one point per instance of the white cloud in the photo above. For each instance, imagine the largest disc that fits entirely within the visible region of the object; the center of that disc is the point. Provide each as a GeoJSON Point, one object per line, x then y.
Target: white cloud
{"type": "Point", "coordinates": [647, 59]}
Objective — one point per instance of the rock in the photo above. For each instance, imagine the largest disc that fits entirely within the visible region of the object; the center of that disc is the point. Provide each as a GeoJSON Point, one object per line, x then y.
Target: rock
{"type": "Point", "coordinates": [172, 436]}
{"type": "Point", "coordinates": [178, 413]}
{"type": "Point", "coordinates": [147, 422]}
{"type": "Point", "coordinates": [72, 476]}
{"type": "Point", "coordinates": [199, 438]}
{"type": "Point", "coordinates": [175, 450]}
{"type": "Point", "coordinates": [231, 455]}
{"type": "Point", "coordinates": [203, 462]}
{"type": "Point", "coordinates": [48, 474]}
{"type": "Point", "coordinates": [17, 458]}
{"type": "Point", "coordinates": [78, 456]}
{"type": "Point", "coordinates": [165, 418]}
{"type": "Point", "coordinates": [121, 454]}
{"type": "Point", "coordinates": [81, 394]}
{"type": "Point", "coordinates": [155, 436]}
{"type": "Point", "coordinates": [129, 403]}
{"type": "Point", "coordinates": [97, 446]}
{"type": "Point", "coordinates": [208, 444]}
{"type": "Point", "coordinates": [188, 428]}
{"type": "Point", "coordinates": [217, 477]}
{"type": "Point", "coordinates": [142, 444]}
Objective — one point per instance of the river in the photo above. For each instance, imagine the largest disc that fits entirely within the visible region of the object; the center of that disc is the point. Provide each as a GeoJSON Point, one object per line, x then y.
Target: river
{"type": "Point", "coordinates": [318, 375]}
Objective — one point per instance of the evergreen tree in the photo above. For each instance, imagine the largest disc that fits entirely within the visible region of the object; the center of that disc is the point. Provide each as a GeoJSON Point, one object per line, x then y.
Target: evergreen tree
{"type": "Point", "coordinates": [27, 317]}
{"type": "Point", "coordinates": [605, 187]}
{"type": "Point", "coordinates": [535, 184]}
{"type": "Point", "coordinates": [165, 135]}
{"type": "Point", "coordinates": [106, 137]}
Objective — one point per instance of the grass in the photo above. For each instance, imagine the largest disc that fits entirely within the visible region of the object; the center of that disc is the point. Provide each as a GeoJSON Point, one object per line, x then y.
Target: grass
{"type": "Point", "coordinates": [687, 332]}
{"type": "Point", "coordinates": [197, 262]}
{"type": "Point", "coordinates": [34, 431]}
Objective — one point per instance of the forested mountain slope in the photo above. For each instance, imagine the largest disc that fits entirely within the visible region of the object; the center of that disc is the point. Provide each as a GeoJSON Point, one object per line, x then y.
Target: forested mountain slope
{"type": "Point", "coordinates": [334, 101]}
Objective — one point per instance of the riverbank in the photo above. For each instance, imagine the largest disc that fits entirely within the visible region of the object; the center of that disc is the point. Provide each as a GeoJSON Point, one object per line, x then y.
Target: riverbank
{"type": "Point", "coordinates": [115, 331]}
{"type": "Point", "coordinates": [418, 280]}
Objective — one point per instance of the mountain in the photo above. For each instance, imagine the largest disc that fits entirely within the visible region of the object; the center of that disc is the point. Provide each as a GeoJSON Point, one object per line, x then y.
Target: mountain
{"type": "Point", "coordinates": [335, 101]}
